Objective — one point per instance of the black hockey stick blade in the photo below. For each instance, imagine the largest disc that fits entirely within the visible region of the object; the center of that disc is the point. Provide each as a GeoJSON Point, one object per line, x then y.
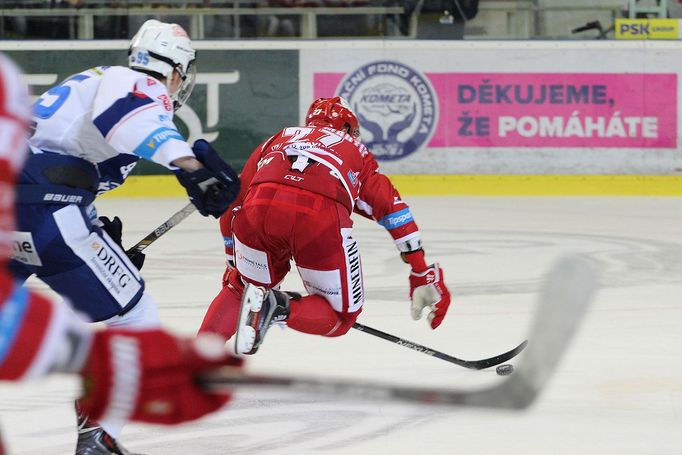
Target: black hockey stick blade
{"type": "Point", "coordinates": [566, 294]}
{"type": "Point", "coordinates": [165, 227]}
{"type": "Point", "coordinates": [471, 364]}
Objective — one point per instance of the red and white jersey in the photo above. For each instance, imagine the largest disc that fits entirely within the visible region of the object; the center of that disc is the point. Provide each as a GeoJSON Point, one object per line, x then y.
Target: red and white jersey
{"type": "Point", "coordinates": [14, 114]}
{"type": "Point", "coordinates": [33, 330]}
{"type": "Point", "coordinates": [332, 163]}
{"type": "Point", "coordinates": [14, 117]}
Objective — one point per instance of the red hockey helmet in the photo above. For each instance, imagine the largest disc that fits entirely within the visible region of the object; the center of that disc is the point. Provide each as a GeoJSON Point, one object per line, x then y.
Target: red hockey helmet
{"type": "Point", "coordinates": [333, 112]}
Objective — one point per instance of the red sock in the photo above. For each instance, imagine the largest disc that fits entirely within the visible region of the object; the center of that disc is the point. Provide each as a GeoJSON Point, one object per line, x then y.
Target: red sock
{"type": "Point", "coordinates": [221, 317]}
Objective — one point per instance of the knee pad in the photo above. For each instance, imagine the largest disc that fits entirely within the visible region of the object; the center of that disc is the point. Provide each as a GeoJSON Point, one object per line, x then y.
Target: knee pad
{"type": "Point", "coordinates": [346, 321]}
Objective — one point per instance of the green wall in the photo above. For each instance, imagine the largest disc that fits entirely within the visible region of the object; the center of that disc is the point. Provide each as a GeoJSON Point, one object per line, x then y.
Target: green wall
{"type": "Point", "coordinates": [264, 100]}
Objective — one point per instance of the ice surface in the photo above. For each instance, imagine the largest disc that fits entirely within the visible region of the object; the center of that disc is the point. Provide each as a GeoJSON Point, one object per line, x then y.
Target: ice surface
{"type": "Point", "coordinates": [618, 390]}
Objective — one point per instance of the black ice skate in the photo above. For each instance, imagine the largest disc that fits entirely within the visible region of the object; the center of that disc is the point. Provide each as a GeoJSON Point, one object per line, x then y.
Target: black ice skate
{"type": "Point", "coordinates": [93, 440]}
{"type": "Point", "coordinates": [260, 308]}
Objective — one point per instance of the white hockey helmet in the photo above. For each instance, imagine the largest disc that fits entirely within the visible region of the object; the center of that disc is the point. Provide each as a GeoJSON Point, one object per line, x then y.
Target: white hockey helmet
{"type": "Point", "coordinates": [164, 48]}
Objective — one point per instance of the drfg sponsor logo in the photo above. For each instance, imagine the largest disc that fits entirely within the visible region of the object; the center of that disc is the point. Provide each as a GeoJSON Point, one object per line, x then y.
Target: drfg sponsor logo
{"type": "Point", "coordinates": [115, 273]}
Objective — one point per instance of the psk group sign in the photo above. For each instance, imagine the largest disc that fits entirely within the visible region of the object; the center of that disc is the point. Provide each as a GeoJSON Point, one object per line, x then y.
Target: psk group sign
{"type": "Point", "coordinates": [401, 109]}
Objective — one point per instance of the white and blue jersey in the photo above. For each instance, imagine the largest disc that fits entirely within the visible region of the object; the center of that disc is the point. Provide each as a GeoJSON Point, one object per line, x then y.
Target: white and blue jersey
{"type": "Point", "coordinates": [90, 131]}
{"type": "Point", "coordinates": [109, 117]}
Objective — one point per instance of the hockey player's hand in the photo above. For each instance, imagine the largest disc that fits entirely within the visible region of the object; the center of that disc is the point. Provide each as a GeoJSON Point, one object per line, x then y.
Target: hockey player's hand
{"type": "Point", "coordinates": [427, 290]}
{"type": "Point", "coordinates": [115, 230]}
{"type": "Point", "coordinates": [213, 187]}
{"type": "Point", "coordinates": [150, 376]}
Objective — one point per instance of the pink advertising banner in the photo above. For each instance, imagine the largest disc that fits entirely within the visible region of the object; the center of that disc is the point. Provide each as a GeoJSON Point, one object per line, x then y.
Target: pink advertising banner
{"type": "Point", "coordinates": [576, 110]}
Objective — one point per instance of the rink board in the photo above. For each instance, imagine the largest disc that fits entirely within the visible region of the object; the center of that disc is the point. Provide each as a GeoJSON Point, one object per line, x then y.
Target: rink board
{"type": "Point", "coordinates": [443, 117]}
{"type": "Point", "coordinates": [453, 185]}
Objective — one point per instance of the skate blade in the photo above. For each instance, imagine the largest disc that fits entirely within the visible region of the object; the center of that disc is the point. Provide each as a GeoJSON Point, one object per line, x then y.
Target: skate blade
{"type": "Point", "coordinates": [252, 302]}
{"type": "Point", "coordinates": [243, 343]}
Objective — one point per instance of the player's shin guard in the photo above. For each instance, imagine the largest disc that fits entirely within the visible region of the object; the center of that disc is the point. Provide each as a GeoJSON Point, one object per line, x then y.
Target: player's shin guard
{"type": "Point", "coordinates": [312, 314]}
{"type": "Point", "coordinates": [222, 315]}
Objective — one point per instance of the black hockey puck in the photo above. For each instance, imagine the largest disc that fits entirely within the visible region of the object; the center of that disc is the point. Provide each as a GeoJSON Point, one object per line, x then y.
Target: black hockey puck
{"type": "Point", "coordinates": [504, 370]}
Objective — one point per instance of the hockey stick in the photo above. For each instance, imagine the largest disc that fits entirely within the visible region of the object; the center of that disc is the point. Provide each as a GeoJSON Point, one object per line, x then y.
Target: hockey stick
{"type": "Point", "coordinates": [165, 227]}
{"type": "Point", "coordinates": [563, 302]}
{"type": "Point", "coordinates": [471, 364]}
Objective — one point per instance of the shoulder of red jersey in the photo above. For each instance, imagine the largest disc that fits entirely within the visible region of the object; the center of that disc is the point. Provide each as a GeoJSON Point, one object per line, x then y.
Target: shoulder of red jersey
{"type": "Point", "coordinates": [13, 92]}
{"type": "Point", "coordinates": [14, 113]}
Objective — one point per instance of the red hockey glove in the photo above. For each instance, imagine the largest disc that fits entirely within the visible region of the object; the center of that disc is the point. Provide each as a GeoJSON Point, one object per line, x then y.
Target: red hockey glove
{"type": "Point", "coordinates": [150, 376]}
{"type": "Point", "coordinates": [427, 290]}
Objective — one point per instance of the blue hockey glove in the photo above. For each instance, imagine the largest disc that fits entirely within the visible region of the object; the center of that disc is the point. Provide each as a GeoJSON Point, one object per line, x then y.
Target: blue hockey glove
{"type": "Point", "coordinates": [213, 188]}
{"type": "Point", "coordinates": [115, 230]}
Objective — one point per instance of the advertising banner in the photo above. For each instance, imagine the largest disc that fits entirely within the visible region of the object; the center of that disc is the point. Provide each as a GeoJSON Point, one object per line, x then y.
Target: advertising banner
{"type": "Point", "coordinates": [507, 108]}
{"type": "Point", "coordinates": [236, 102]}
{"type": "Point", "coordinates": [429, 107]}
{"type": "Point", "coordinates": [503, 110]}
{"type": "Point", "coordinates": [643, 29]}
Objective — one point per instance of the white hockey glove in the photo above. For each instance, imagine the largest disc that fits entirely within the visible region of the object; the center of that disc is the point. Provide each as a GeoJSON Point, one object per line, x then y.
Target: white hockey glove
{"type": "Point", "coordinates": [427, 289]}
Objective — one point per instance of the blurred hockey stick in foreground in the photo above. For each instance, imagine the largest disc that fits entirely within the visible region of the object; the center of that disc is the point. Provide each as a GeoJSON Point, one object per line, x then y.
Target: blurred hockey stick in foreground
{"type": "Point", "coordinates": [565, 297]}
{"type": "Point", "coordinates": [471, 364]}
{"type": "Point", "coordinates": [165, 227]}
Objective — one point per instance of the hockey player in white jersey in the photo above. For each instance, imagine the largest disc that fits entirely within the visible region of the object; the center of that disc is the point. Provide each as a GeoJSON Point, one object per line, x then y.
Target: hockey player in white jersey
{"type": "Point", "coordinates": [90, 130]}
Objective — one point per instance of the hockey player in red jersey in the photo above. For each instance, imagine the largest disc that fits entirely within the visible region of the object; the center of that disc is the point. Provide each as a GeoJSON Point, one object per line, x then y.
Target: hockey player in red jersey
{"type": "Point", "coordinates": [299, 189]}
{"type": "Point", "coordinates": [143, 375]}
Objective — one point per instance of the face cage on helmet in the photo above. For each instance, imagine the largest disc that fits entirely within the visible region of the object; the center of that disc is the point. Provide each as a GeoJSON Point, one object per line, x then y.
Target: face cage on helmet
{"type": "Point", "coordinates": [188, 80]}
{"type": "Point", "coordinates": [355, 132]}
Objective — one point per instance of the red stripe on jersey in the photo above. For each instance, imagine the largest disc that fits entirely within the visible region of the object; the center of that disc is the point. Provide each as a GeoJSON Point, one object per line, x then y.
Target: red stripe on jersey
{"type": "Point", "coordinates": [5, 110]}
{"type": "Point", "coordinates": [6, 283]}
{"type": "Point", "coordinates": [4, 100]}
{"type": "Point", "coordinates": [3, 90]}
{"type": "Point", "coordinates": [34, 327]}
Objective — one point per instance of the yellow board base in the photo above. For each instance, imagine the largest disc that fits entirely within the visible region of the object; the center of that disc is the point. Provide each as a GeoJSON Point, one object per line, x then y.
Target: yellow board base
{"type": "Point", "coordinates": [539, 185]}
{"type": "Point", "coordinates": [153, 186]}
